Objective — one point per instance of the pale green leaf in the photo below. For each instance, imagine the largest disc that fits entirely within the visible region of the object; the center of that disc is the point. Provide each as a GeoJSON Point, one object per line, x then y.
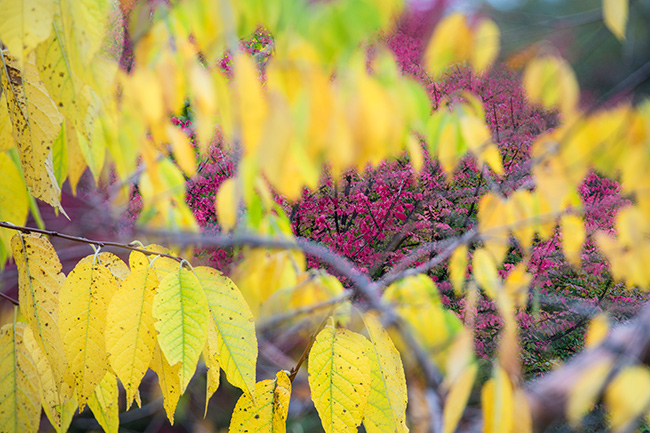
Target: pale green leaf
{"type": "Point", "coordinates": [386, 409]}
{"type": "Point", "coordinates": [103, 403]}
{"type": "Point", "coordinates": [236, 342]}
{"type": "Point", "coordinates": [20, 405]}
{"type": "Point", "coordinates": [181, 310]}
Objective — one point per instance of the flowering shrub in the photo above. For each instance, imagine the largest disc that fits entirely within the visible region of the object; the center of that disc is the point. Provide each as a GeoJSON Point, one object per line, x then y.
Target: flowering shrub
{"type": "Point", "coordinates": [378, 216]}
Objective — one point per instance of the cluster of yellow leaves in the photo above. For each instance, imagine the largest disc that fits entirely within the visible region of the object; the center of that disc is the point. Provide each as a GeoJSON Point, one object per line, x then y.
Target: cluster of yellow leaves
{"type": "Point", "coordinates": [453, 42]}
{"type": "Point", "coordinates": [109, 320]}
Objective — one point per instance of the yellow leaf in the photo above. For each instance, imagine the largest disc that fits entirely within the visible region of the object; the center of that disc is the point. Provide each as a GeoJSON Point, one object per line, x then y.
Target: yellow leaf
{"type": "Point", "coordinates": [183, 150]}
{"type": "Point", "coordinates": [249, 101]}
{"type": "Point", "coordinates": [76, 162]}
{"type": "Point", "coordinates": [458, 268]}
{"type": "Point", "coordinates": [39, 283]}
{"type": "Point", "coordinates": [516, 285]}
{"type": "Point", "coordinates": [181, 310]}
{"type": "Point", "coordinates": [615, 16]}
{"type": "Point", "coordinates": [85, 26]}
{"type": "Point", "coordinates": [227, 202]}
{"type": "Point", "coordinates": [450, 43]}
{"type": "Point", "coordinates": [457, 397]}
{"type": "Point", "coordinates": [268, 412]}
{"type": "Point", "coordinates": [497, 402]}
{"type": "Point", "coordinates": [585, 392]}
{"type": "Point", "coordinates": [162, 265]}
{"type": "Point", "coordinates": [55, 404]}
{"type": "Point", "coordinates": [83, 300]}
{"type": "Point", "coordinates": [339, 378]}
{"type": "Point", "coordinates": [485, 273]}
{"type": "Point", "coordinates": [130, 332]}
{"type": "Point", "coordinates": [493, 225]}
{"type": "Point", "coordinates": [14, 201]}
{"type": "Point", "coordinates": [627, 396]}
{"type": "Point", "coordinates": [110, 261]}
{"type": "Point", "coordinates": [236, 342]}
{"type": "Point", "coordinates": [551, 81]}
{"type": "Point", "coordinates": [492, 157]}
{"type": "Point", "coordinates": [211, 358]}
{"type": "Point", "coordinates": [386, 409]}
{"type": "Point", "coordinates": [103, 404]}
{"type": "Point", "coordinates": [573, 236]}
{"type": "Point", "coordinates": [36, 124]}
{"type": "Point", "coordinates": [6, 130]}
{"type": "Point", "coordinates": [597, 330]}
{"type": "Point", "coordinates": [20, 405]}
{"type": "Point", "coordinates": [24, 25]}
{"type": "Point", "coordinates": [486, 45]}
{"type": "Point", "coordinates": [310, 290]}
{"type": "Point", "coordinates": [169, 380]}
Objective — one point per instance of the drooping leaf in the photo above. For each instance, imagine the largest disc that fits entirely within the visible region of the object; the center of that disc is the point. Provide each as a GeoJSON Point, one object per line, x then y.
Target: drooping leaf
{"type": "Point", "coordinates": [55, 403]}
{"type": "Point", "coordinates": [497, 402]}
{"type": "Point", "coordinates": [169, 380]}
{"type": "Point", "coordinates": [551, 81]}
{"type": "Point", "coordinates": [180, 307]}
{"type": "Point", "coordinates": [20, 405]}
{"type": "Point", "coordinates": [36, 124]}
{"type": "Point", "coordinates": [450, 43]}
{"type": "Point", "coordinates": [615, 16]}
{"type": "Point", "coordinates": [268, 412]}
{"type": "Point", "coordinates": [130, 332]}
{"type": "Point", "coordinates": [339, 378]}
{"type": "Point", "coordinates": [103, 403]}
{"type": "Point", "coordinates": [627, 396]}
{"type": "Point", "coordinates": [211, 359]}
{"type": "Point", "coordinates": [386, 408]}
{"type": "Point", "coordinates": [39, 284]}
{"type": "Point", "coordinates": [83, 301]}
{"type": "Point", "coordinates": [457, 398]}
{"type": "Point", "coordinates": [486, 45]}
{"type": "Point", "coordinates": [227, 203]}
{"type": "Point", "coordinates": [236, 342]}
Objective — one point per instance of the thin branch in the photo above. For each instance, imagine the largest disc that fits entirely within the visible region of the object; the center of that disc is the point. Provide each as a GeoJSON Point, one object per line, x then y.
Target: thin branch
{"type": "Point", "coordinates": [9, 298]}
{"type": "Point", "coordinates": [51, 233]}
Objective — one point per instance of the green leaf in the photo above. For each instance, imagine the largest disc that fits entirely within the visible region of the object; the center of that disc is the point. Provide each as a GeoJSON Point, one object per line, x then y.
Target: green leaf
{"type": "Point", "coordinates": [181, 309]}
{"type": "Point", "coordinates": [235, 340]}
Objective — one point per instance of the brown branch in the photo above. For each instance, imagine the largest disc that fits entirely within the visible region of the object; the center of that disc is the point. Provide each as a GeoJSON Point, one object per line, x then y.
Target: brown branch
{"type": "Point", "coordinates": [51, 233]}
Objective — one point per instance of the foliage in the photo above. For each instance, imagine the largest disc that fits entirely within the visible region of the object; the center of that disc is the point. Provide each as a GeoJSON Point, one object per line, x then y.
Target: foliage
{"type": "Point", "coordinates": [323, 141]}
